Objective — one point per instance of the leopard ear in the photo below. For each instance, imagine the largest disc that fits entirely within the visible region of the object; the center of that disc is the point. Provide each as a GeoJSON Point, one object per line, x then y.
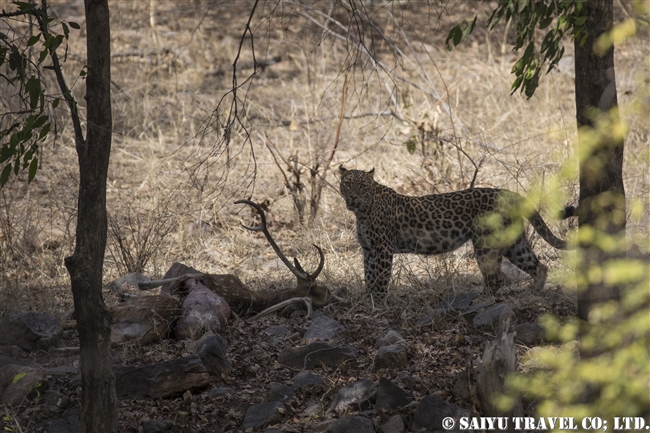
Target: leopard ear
{"type": "Point", "coordinates": [372, 172]}
{"type": "Point", "coordinates": [342, 169]}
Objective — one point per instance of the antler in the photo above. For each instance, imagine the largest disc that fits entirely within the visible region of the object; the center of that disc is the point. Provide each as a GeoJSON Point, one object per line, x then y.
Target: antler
{"type": "Point", "coordinates": [297, 270]}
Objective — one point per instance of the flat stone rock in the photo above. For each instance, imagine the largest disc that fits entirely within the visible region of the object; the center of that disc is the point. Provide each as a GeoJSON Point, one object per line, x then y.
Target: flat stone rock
{"type": "Point", "coordinates": [351, 424]}
{"type": "Point", "coordinates": [260, 415]}
{"type": "Point", "coordinates": [55, 400]}
{"type": "Point", "coordinates": [458, 302]}
{"type": "Point", "coordinates": [434, 316]}
{"type": "Point", "coordinates": [529, 333]}
{"type": "Point", "coordinates": [280, 392]}
{"type": "Point", "coordinates": [389, 337]}
{"type": "Point", "coordinates": [277, 330]}
{"type": "Point", "coordinates": [323, 328]}
{"type": "Point", "coordinates": [212, 352]}
{"type": "Point", "coordinates": [355, 396]}
{"type": "Point", "coordinates": [163, 379]}
{"type": "Point", "coordinates": [316, 355]}
{"type": "Point", "coordinates": [219, 390]}
{"type": "Point", "coordinates": [69, 422]}
{"type": "Point", "coordinates": [431, 411]}
{"type": "Point", "coordinates": [30, 331]}
{"type": "Point", "coordinates": [391, 396]}
{"type": "Point", "coordinates": [307, 379]}
{"type": "Point", "coordinates": [156, 426]}
{"type": "Point", "coordinates": [491, 317]}
{"type": "Point", "coordinates": [393, 356]}
{"type": "Point", "coordinates": [18, 382]}
{"type": "Point", "coordinates": [395, 424]}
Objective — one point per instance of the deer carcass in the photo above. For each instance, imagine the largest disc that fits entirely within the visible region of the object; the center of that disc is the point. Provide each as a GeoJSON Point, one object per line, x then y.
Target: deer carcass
{"type": "Point", "coordinates": [246, 301]}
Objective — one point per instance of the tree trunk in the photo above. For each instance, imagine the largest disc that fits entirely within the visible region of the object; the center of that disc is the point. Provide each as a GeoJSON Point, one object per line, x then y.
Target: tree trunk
{"type": "Point", "coordinates": [99, 401]}
{"type": "Point", "coordinates": [602, 195]}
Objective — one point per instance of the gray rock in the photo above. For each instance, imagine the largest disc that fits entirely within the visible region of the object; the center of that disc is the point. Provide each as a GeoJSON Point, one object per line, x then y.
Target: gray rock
{"type": "Point", "coordinates": [323, 328]}
{"type": "Point", "coordinates": [529, 333]}
{"type": "Point", "coordinates": [212, 352]}
{"type": "Point", "coordinates": [351, 424]}
{"type": "Point", "coordinates": [219, 390]}
{"type": "Point", "coordinates": [356, 396]}
{"type": "Point", "coordinates": [6, 360]}
{"type": "Point", "coordinates": [491, 317]}
{"type": "Point", "coordinates": [61, 370]}
{"type": "Point", "coordinates": [126, 282]}
{"type": "Point", "coordinates": [30, 331]}
{"type": "Point", "coordinates": [260, 415]}
{"type": "Point", "coordinates": [314, 408]}
{"type": "Point", "coordinates": [55, 400]}
{"type": "Point", "coordinates": [431, 411]}
{"type": "Point", "coordinates": [389, 337]}
{"type": "Point", "coordinates": [391, 356]}
{"type": "Point", "coordinates": [458, 302]}
{"type": "Point", "coordinates": [162, 379]}
{"type": "Point", "coordinates": [395, 424]}
{"type": "Point", "coordinates": [280, 392]}
{"type": "Point", "coordinates": [156, 426]}
{"type": "Point", "coordinates": [75, 382]}
{"type": "Point", "coordinates": [277, 330]}
{"type": "Point", "coordinates": [20, 382]}
{"type": "Point", "coordinates": [306, 379]}
{"type": "Point", "coordinates": [390, 396]}
{"type": "Point", "coordinates": [434, 316]}
{"type": "Point", "coordinates": [69, 422]}
{"type": "Point", "coordinates": [316, 355]}
{"type": "Point", "coordinates": [461, 386]}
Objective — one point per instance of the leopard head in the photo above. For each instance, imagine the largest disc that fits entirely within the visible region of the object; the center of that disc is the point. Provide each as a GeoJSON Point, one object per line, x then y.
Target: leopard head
{"type": "Point", "coordinates": [356, 187]}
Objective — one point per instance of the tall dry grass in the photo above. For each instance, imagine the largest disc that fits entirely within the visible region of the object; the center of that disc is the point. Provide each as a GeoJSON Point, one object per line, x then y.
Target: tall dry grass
{"type": "Point", "coordinates": [172, 182]}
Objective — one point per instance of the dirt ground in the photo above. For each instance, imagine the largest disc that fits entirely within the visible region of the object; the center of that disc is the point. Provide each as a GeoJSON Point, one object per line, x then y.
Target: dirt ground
{"type": "Point", "coordinates": [426, 118]}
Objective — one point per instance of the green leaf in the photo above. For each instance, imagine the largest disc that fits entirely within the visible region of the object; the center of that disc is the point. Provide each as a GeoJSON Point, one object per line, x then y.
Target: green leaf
{"type": "Point", "coordinates": [33, 88]}
{"type": "Point", "coordinates": [43, 55]}
{"type": "Point", "coordinates": [454, 33]}
{"type": "Point", "coordinates": [410, 146]}
{"type": "Point", "coordinates": [18, 377]}
{"type": "Point", "coordinates": [31, 41]}
{"type": "Point", "coordinates": [74, 25]}
{"type": "Point", "coordinates": [55, 103]}
{"type": "Point", "coordinates": [4, 177]}
{"type": "Point", "coordinates": [469, 28]}
{"type": "Point", "coordinates": [545, 22]}
{"type": "Point", "coordinates": [32, 169]}
{"type": "Point", "coordinates": [44, 131]}
{"type": "Point", "coordinates": [528, 54]}
{"type": "Point", "coordinates": [25, 7]}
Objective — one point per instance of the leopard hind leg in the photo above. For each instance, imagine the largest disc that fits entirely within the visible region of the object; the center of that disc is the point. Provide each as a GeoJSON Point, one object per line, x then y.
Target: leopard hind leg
{"type": "Point", "coordinates": [522, 255]}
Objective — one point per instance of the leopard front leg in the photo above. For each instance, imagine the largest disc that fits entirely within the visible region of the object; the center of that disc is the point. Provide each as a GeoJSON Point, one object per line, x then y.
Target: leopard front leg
{"type": "Point", "coordinates": [378, 265]}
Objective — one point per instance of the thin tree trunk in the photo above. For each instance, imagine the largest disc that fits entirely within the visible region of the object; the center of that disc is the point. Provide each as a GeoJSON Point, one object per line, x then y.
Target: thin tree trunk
{"type": "Point", "coordinates": [99, 401]}
{"type": "Point", "coordinates": [602, 195]}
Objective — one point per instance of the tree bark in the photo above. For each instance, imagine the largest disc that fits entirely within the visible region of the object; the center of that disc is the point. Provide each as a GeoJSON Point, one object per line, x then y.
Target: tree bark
{"type": "Point", "coordinates": [99, 401]}
{"type": "Point", "coordinates": [602, 194]}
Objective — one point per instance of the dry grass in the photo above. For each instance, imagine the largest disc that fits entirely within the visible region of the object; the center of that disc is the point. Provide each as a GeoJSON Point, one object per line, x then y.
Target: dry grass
{"type": "Point", "coordinates": [165, 107]}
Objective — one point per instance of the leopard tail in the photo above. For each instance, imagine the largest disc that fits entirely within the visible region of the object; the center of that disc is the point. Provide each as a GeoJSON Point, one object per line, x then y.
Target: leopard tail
{"type": "Point", "coordinates": [540, 226]}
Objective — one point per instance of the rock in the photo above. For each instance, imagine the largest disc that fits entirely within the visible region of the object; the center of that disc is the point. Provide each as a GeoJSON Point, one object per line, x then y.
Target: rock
{"type": "Point", "coordinates": [162, 379]}
{"type": "Point", "coordinates": [395, 424]}
{"type": "Point", "coordinates": [193, 345]}
{"type": "Point", "coordinates": [61, 370]}
{"type": "Point", "coordinates": [30, 331]}
{"type": "Point", "coordinates": [69, 422]}
{"type": "Point", "coordinates": [219, 390]}
{"type": "Point", "coordinates": [389, 337]}
{"type": "Point", "coordinates": [6, 360]}
{"type": "Point", "coordinates": [20, 382]}
{"type": "Point", "coordinates": [156, 426]}
{"type": "Point", "coordinates": [306, 379]}
{"type": "Point", "coordinates": [143, 318]}
{"type": "Point", "coordinates": [529, 333]}
{"type": "Point", "coordinates": [202, 310]}
{"type": "Point", "coordinates": [433, 317]}
{"type": "Point", "coordinates": [260, 415]}
{"type": "Point", "coordinates": [313, 409]}
{"type": "Point", "coordinates": [351, 424]}
{"type": "Point", "coordinates": [316, 355]}
{"type": "Point", "coordinates": [491, 317]}
{"type": "Point", "coordinates": [458, 302]}
{"type": "Point", "coordinates": [126, 282]}
{"type": "Point", "coordinates": [55, 400]}
{"type": "Point", "coordinates": [461, 386]}
{"type": "Point", "coordinates": [356, 396]}
{"type": "Point", "coordinates": [431, 411]}
{"type": "Point", "coordinates": [281, 393]}
{"type": "Point", "coordinates": [277, 330]}
{"type": "Point", "coordinates": [323, 328]}
{"type": "Point", "coordinates": [390, 396]}
{"type": "Point", "coordinates": [213, 355]}
{"type": "Point", "coordinates": [393, 356]}
{"type": "Point", "coordinates": [75, 382]}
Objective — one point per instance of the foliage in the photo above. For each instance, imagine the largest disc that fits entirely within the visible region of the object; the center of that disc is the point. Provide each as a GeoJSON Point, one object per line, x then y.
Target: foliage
{"type": "Point", "coordinates": [24, 128]}
{"type": "Point", "coordinates": [559, 17]}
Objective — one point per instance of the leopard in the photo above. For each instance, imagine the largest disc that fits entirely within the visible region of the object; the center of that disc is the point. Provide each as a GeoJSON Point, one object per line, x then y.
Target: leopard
{"type": "Point", "coordinates": [389, 223]}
